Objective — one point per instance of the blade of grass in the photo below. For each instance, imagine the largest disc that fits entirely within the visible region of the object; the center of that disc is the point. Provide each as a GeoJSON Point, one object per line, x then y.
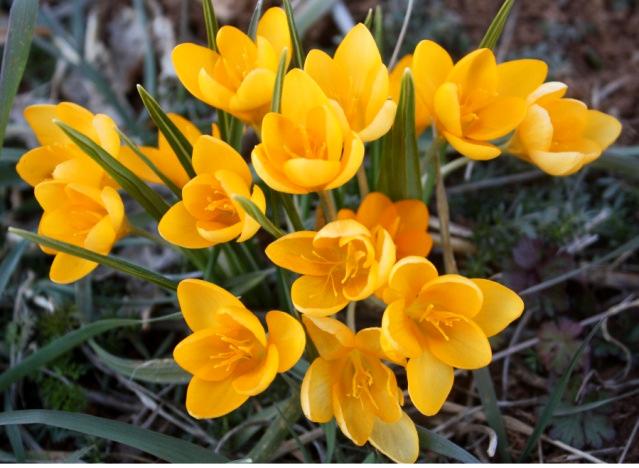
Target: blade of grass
{"type": "Point", "coordinates": [276, 102]}
{"type": "Point", "coordinates": [22, 19]}
{"type": "Point", "coordinates": [493, 33]}
{"type": "Point", "coordinates": [162, 446]}
{"type": "Point", "coordinates": [240, 285]}
{"type": "Point", "coordinates": [433, 442]}
{"type": "Point", "coordinates": [254, 212]}
{"type": "Point", "coordinates": [150, 67]}
{"type": "Point", "coordinates": [9, 264]}
{"type": "Point", "coordinates": [555, 397]}
{"type": "Point", "coordinates": [486, 390]}
{"type": "Point", "coordinates": [298, 50]}
{"type": "Point", "coordinates": [310, 11]}
{"type": "Point", "coordinates": [210, 21]}
{"type": "Point", "coordinates": [255, 19]}
{"type": "Point", "coordinates": [291, 212]}
{"type": "Point", "coordinates": [108, 260]}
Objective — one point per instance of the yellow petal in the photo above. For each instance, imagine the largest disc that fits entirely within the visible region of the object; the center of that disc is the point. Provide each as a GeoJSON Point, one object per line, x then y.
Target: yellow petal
{"type": "Point", "coordinates": [132, 162]}
{"type": "Point", "coordinates": [273, 177]}
{"type": "Point", "coordinates": [178, 227]}
{"type": "Point", "coordinates": [351, 161]}
{"type": "Point", "coordinates": [51, 194]}
{"type": "Point", "coordinates": [80, 169]}
{"type": "Point", "coordinates": [188, 59]}
{"type": "Point", "coordinates": [39, 163]}
{"type": "Point", "coordinates": [431, 65]}
{"type": "Point", "coordinates": [188, 129]}
{"type": "Point", "coordinates": [331, 337]}
{"type": "Point", "coordinates": [193, 354]}
{"type": "Point", "coordinates": [386, 256]}
{"type": "Point", "coordinates": [409, 275]}
{"type": "Point", "coordinates": [287, 335]}
{"type": "Point", "coordinates": [297, 170]}
{"type": "Point", "coordinates": [66, 268]}
{"type": "Point", "coordinates": [476, 70]}
{"type": "Point", "coordinates": [100, 237]}
{"type": "Point", "coordinates": [114, 206]}
{"type": "Point", "coordinates": [547, 92]}
{"type": "Point", "coordinates": [604, 129]}
{"type": "Point", "coordinates": [236, 47]}
{"type": "Point", "coordinates": [245, 319]}
{"type": "Point", "coordinates": [206, 399]}
{"type": "Point", "coordinates": [107, 134]}
{"type": "Point", "coordinates": [473, 149]}
{"type": "Point", "coordinates": [300, 94]}
{"type": "Point", "coordinates": [413, 242]}
{"type": "Point", "coordinates": [255, 91]}
{"type": "Point", "coordinates": [200, 301]}
{"type": "Point", "coordinates": [368, 340]}
{"type": "Point", "coordinates": [341, 228]}
{"type": "Point", "coordinates": [453, 293]}
{"type": "Point", "coordinates": [251, 226]}
{"type": "Point", "coordinates": [40, 118]}
{"type": "Point", "coordinates": [358, 55]}
{"type": "Point", "coordinates": [316, 391]}
{"type": "Point", "coordinates": [497, 119]}
{"type": "Point", "coordinates": [557, 163]}
{"type": "Point", "coordinates": [273, 26]}
{"type": "Point", "coordinates": [216, 233]}
{"type": "Point", "coordinates": [321, 67]}
{"type": "Point", "coordinates": [258, 379]}
{"type": "Point", "coordinates": [398, 441]}
{"type": "Point", "coordinates": [413, 214]}
{"type": "Point", "coordinates": [295, 252]}
{"type": "Point", "coordinates": [211, 154]}
{"type": "Point", "coordinates": [520, 77]}
{"type": "Point", "coordinates": [314, 295]}
{"type": "Point", "coordinates": [447, 108]}
{"type": "Point", "coordinates": [399, 330]}
{"type": "Point", "coordinates": [355, 422]}
{"type": "Point", "coordinates": [501, 306]}
{"type": "Point", "coordinates": [429, 382]}
{"type": "Point", "coordinates": [465, 345]}
{"type": "Point", "coordinates": [212, 92]}
{"type": "Point", "coordinates": [535, 131]}
{"type": "Point", "coordinates": [371, 209]}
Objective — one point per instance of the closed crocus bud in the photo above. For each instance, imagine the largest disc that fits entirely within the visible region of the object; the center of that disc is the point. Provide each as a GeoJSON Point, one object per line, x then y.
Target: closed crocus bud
{"type": "Point", "coordinates": [162, 155]}
{"type": "Point", "coordinates": [81, 215]}
{"type": "Point", "coordinates": [308, 146]}
{"type": "Point", "coordinates": [59, 158]}
{"type": "Point", "coordinates": [406, 221]}
{"type": "Point", "coordinates": [422, 115]}
{"type": "Point", "coordinates": [342, 262]}
{"type": "Point", "coordinates": [561, 135]}
{"type": "Point", "coordinates": [349, 382]}
{"type": "Point", "coordinates": [474, 101]}
{"type": "Point", "coordinates": [229, 354]}
{"type": "Point", "coordinates": [358, 80]}
{"type": "Point", "coordinates": [208, 213]}
{"type": "Point", "coordinates": [239, 77]}
{"type": "Point", "coordinates": [440, 323]}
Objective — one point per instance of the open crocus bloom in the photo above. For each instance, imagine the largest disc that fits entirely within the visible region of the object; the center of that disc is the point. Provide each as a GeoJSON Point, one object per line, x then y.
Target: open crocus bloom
{"type": "Point", "coordinates": [422, 116]}
{"type": "Point", "coordinates": [239, 77]}
{"type": "Point", "coordinates": [440, 323]}
{"type": "Point", "coordinates": [59, 158]}
{"type": "Point", "coordinates": [163, 156]}
{"type": "Point", "coordinates": [358, 80]}
{"type": "Point", "coordinates": [229, 355]}
{"type": "Point", "coordinates": [561, 135]}
{"type": "Point", "coordinates": [475, 100]}
{"type": "Point", "coordinates": [208, 214]}
{"type": "Point", "coordinates": [308, 147]}
{"type": "Point", "coordinates": [342, 262]}
{"type": "Point", "coordinates": [406, 221]}
{"type": "Point", "coordinates": [350, 383]}
{"type": "Point", "coordinates": [81, 215]}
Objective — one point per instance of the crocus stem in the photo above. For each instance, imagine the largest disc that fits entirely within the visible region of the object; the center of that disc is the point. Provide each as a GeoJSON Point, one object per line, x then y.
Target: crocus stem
{"type": "Point", "coordinates": [454, 165]}
{"type": "Point", "coordinates": [362, 181]}
{"type": "Point", "coordinates": [328, 205]}
{"type": "Point", "coordinates": [444, 218]}
{"type": "Point", "coordinates": [350, 315]}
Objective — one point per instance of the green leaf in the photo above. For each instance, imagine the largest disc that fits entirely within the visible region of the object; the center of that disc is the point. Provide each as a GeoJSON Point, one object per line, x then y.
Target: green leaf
{"type": "Point", "coordinates": [622, 161]}
{"type": "Point", "coordinates": [298, 50]}
{"type": "Point", "coordinates": [108, 260]}
{"type": "Point", "coordinates": [399, 170]}
{"type": "Point", "coordinates": [165, 447]}
{"type": "Point", "coordinates": [210, 21]}
{"type": "Point", "coordinates": [150, 67]}
{"type": "Point", "coordinates": [163, 371]}
{"type": "Point", "coordinates": [289, 412]}
{"type": "Point", "coordinates": [486, 390]}
{"type": "Point", "coordinates": [22, 19]}
{"type": "Point", "coordinates": [556, 395]}
{"type": "Point", "coordinates": [176, 139]}
{"type": "Point", "coordinates": [493, 33]}
{"type": "Point", "coordinates": [255, 19]}
{"type": "Point", "coordinates": [132, 184]}
{"type": "Point", "coordinates": [433, 442]}
{"type": "Point", "coordinates": [310, 11]}
{"type": "Point", "coordinates": [368, 21]}
{"type": "Point", "coordinates": [9, 264]}
{"type": "Point", "coordinates": [291, 211]}
{"type": "Point", "coordinates": [330, 429]}
{"type": "Point", "coordinates": [276, 102]}
{"type": "Point", "coordinates": [241, 284]}
{"type": "Point", "coordinates": [254, 212]}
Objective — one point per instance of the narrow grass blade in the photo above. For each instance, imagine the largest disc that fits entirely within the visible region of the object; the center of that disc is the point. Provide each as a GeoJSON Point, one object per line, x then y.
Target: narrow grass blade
{"type": "Point", "coordinates": [378, 29]}
{"type": "Point", "coordinates": [210, 21]}
{"type": "Point", "coordinates": [486, 390]}
{"type": "Point", "coordinates": [368, 21]}
{"type": "Point", "coordinates": [254, 212]}
{"type": "Point", "coordinates": [150, 67]}
{"type": "Point", "coordinates": [22, 19]}
{"type": "Point", "coordinates": [298, 50]}
{"type": "Point", "coordinates": [255, 19]}
{"type": "Point", "coordinates": [111, 261]}
{"type": "Point", "coordinates": [493, 33]}
{"type": "Point", "coordinates": [165, 447]}
{"type": "Point", "coordinates": [276, 102]}
{"type": "Point", "coordinates": [241, 284]}
{"type": "Point", "coordinates": [132, 184]}
{"type": "Point", "coordinates": [433, 442]}
{"type": "Point", "coordinates": [13, 433]}
{"type": "Point", "coordinates": [164, 371]}
{"type": "Point", "coordinates": [330, 430]}
{"type": "Point", "coordinates": [9, 264]}
{"type": "Point", "coordinates": [555, 397]}
{"type": "Point", "coordinates": [173, 135]}
{"type": "Point", "coordinates": [289, 412]}
{"type": "Point", "coordinates": [310, 11]}
{"type": "Point", "coordinates": [291, 212]}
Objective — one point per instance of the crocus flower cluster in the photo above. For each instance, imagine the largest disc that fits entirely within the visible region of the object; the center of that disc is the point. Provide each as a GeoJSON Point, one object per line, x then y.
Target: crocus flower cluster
{"type": "Point", "coordinates": [429, 323]}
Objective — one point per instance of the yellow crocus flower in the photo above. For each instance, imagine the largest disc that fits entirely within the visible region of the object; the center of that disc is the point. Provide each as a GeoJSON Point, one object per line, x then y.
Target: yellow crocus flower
{"type": "Point", "coordinates": [350, 383]}
{"type": "Point", "coordinates": [163, 155]}
{"type": "Point", "coordinates": [85, 216]}
{"type": "Point", "coordinates": [308, 146]}
{"type": "Point", "coordinates": [357, 79]}
{"type": "Point", "coordinates": [440, 323]}
{"type": "Point", "coordinates": [405, 220]}
{"type": "Point", "coordinates": [229, 354]}
{"type": "Point", "coordinates": [561, 135]}
{"type": "Point", "coordinates": [342, 262]}
{"type": "Point", "coordinates": [59, 158]}
{"type": "Point", "coordinates": [422, 116]}
{"type": "Point", "coordinates": [475, 100]}
{"type": "Point", "coordinates": [208, 214]}
{"type": "Point", "coordinates": [240, 77]}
